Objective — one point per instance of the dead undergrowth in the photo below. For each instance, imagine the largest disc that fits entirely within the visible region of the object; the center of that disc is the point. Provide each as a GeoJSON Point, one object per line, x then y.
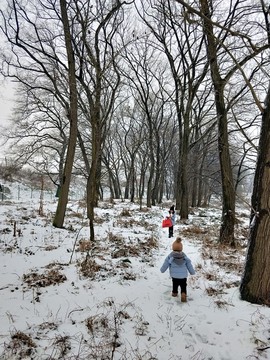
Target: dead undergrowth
{"type": "Point", "coordinates": [49, 277]}
{"type": "Point", "coordinates": [21, 346]}
{"type": "Point", "coordinates": [221, 265]}
{"type": "Point", "coordinates": [114, 256]}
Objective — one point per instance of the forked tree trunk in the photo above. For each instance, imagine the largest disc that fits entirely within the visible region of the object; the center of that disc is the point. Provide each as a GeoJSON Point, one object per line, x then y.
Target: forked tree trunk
{"type": "Point", "coordinates": [255, 285]}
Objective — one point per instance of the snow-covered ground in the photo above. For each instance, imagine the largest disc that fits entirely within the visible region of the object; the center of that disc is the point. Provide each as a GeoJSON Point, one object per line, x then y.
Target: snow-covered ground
{"type": "Point", "coordinates": [64, 298]}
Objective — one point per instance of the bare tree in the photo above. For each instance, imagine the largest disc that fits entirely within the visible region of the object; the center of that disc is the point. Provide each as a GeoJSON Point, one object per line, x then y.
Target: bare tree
{"type": "Point", "coordinates": [202, 144]}
{"type": "Point", "coordinates": [38, 132]}
{"type": "Point", "coordinates": [36, 59]}
{"type": "Point", "coordinates": [98, 77]}
{"type": "Point", "coordinates": [228, 211]}
{"type": "Point", "coordinates": [131, 136]}
{"type": "Point", "coordinates": [73, 119]}
{"type": "Point", "coordinates": [219, 82]}
{"type": "Point", "coordinates": [147, 78]}
{"type": "Point", "coordinates": [182, 42]}
{"type": "Point", "coordinates": [225, 62]}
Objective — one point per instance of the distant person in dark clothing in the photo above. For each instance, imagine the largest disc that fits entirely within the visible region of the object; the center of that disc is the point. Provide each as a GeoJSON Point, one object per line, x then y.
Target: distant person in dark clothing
{"type": "Point", "coordinates": [172, 217]}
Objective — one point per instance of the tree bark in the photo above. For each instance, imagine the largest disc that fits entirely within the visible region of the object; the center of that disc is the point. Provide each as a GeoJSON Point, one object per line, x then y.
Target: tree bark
{"type": "Point", "coordinates": [228, 192]}
{"type": "Point", "coordinates": [255, 284]}
{"type": "Point", "coordinates": [73, 117]}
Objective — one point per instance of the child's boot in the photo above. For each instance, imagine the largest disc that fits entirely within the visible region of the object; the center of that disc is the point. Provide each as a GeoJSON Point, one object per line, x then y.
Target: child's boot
{"type": "Point", "coordinates": [174, 294]}
{"type": "Point", "coordinates": [183, 297]}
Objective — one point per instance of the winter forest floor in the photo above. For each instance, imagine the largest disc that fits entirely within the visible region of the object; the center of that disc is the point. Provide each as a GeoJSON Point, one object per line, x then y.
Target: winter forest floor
{"type": "Point", "coordinates": [62, 297]}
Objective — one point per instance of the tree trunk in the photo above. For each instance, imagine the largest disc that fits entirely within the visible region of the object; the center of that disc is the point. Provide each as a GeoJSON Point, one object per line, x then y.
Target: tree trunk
{"type": "Point", "coordinates": [91, 190]}
{"type": "Point", "coordinates": [255, 285]}
{"type": "Point", "coordinates": [151, 171]}
{"type": "Point", "coordinates": [183, 169]}
{"type": "Point", "coordinates": [132, 182]}
{"type": "Point", "coordinates": [73, 118]}
{"type": "Point", "coordinates": [228, 192]}
{"type": "Point", "coordinates": [196, 160]}
{"type": "Point", "coordinates": [142, 182]}
{"type": "Point", "coordinates": [94, 178]}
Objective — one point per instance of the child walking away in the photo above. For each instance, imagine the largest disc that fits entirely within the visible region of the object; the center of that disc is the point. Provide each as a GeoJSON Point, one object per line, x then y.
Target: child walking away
{"type": "Point", "coordinates": [179, 266]}
{"type": "Point", "coordinates": [172, 216]}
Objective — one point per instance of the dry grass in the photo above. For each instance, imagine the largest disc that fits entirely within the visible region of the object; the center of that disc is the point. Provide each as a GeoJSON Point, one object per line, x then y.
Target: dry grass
{"type": "Point", "coordinates": [97, 323]}
{"type": "Point", "coordinates": [100, 220]}
{"type": "Point", "coordinates": [70, 213]}
{"type": "Point", "coordinates": [125, 213]}
{"type": "Point", "coordinates": [99, 261]}
{"type": "Point", "coordinates": [214, 291]}
{"type": "Point", "coordinates": [127, 223]}
{"type": "Point", "coordinates": [127, 251]}
{"type": "Point", "coordinates": [124, 223]}
{"type": "Point", "coordinates": [115, 238]}
{"type": "Point", "coordinates": [222, 304]}
{"type": "Point", "coordinates": [106, 326]}
{"type": "Point", "coordinates": [82, 204]}
{"type": "Point", "coordinates": [114, 255]}
{"type": "Point", "coordinates": [20, 337]}
{"type": "Point", "coordinates": [226, 257]}
{"type": "Point", "coordinates": [63, 345]}
{"type": "Point", "coordinates": [50, 248]}
{"type": "Point", "coordinates": [89, 267]}
{"type": "Point", "coordinates": [20, 345]}
{"type": "Point", "coordinates": [211, 276]}
{"type": "Point", "coordinates": [50, 277]}
{"type": "Point", "coordinates": [144, 210]}
{"type": "Point", "coordinates": [84, 245]}
{"type": "Point", "coordinates": [48, 326]}
{"type": "Point", "coordinates": [220, 262]}
{"type": "Point", "coordinates": [194, 230]}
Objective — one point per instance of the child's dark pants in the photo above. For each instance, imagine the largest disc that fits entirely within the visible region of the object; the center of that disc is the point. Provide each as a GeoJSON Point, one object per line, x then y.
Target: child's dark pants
{"type": "Point", "coordinates": [179, 282]}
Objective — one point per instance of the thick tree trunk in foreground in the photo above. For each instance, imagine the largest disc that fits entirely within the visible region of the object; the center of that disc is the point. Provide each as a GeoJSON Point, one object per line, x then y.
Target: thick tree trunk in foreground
{"type": "Point", "coordinates": [255, 285]}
